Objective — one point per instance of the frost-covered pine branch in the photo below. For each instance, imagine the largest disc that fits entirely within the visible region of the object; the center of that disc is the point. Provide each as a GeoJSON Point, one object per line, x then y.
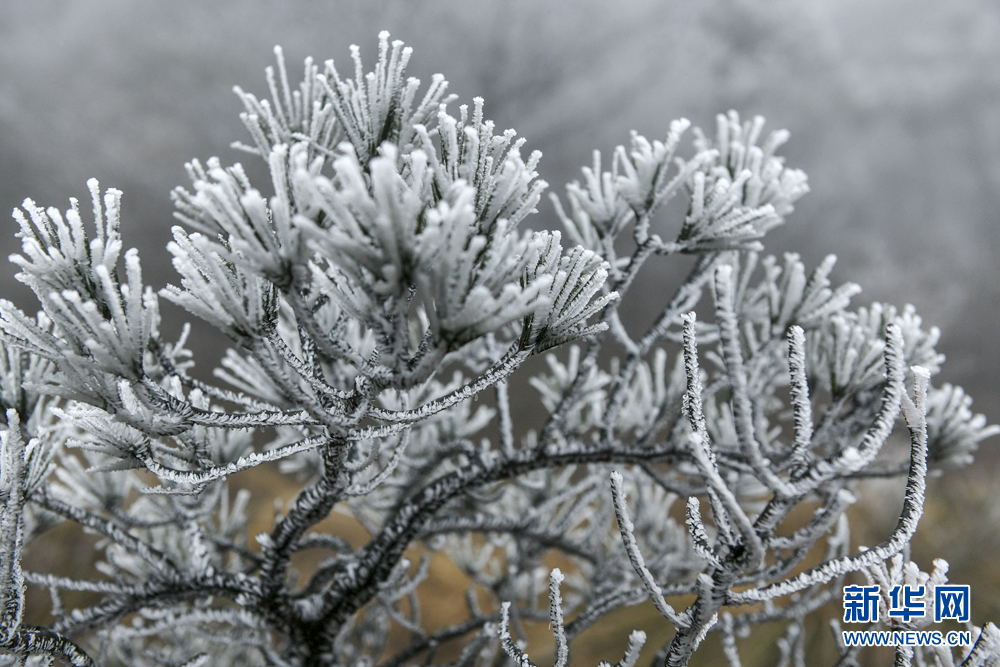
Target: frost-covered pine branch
{"type": "Point", "coordinates": [390, 279]}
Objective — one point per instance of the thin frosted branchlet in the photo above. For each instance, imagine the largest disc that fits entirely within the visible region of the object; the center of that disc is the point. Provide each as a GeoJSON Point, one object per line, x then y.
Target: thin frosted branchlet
{"type": "Point", "coordinates": [672, 558]}
{"type": "Point", "coordinates": [726, 508]}
{"type": "Point", "coordinates": [635, 642]}
{"type": "Point", "coordinates": [12, 487]}
{"type": "Point", "coordinates": [627, 530]}
{"type": "Point", "coordinates": [97, 326]}
{"type": "Point", "coordinates": [953, 431]}
{"type": "Point", "coordinates": [785, 296]}
{"type": "Point", "coordinates": [221, 292]}
{"type": "Point", "coordinates": [253, 231]}
{"type": "Point", "coordinates": [845, 355]}
{"type": "Point", "coordinates": [769, 181]}
{"type": "Point", "coordinates": [23, 467]}
{"type": "Point", "coordinates": [700, 540]}
{"type": "Point", "coordinates": [466, 149]}
{"type": "Point", "coordinates": [589, 397]}
{"type": "Point", "coordinates": [596, 211]}
{"type": "Point", "coordinates": [290, 116]}
{"type": "Point", "coordinates": [379, 106]}
{"type": "Point", "coordinates": [798, 389]}
{"type": "Point", "coordinates": [742, 411]}
{"type": "Point", "coordinates": [386, 285]}
{"type": "Point", "coordinates": [985, 649]}
{"type": "Point", "coordinates": [717, 220]}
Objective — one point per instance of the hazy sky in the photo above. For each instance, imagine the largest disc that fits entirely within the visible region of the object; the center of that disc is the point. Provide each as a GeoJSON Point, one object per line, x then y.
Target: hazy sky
{"type": "Point", "coordinates": [894, 109]}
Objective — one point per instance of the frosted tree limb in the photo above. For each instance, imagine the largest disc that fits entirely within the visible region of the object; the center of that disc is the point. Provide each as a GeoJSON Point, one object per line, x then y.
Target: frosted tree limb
{"type": "Point", "coordinates": [909, 516]}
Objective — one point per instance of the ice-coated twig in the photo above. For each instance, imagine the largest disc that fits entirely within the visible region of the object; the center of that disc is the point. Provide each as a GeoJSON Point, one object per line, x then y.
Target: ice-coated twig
{"type": "Point", "coordinates": [627, 530]}
{"type": "Point", "coordinates": [507, 642]}
{"type": "Point", "coordinates": [801, 405]}
{"type": "Point", "coordinates": [699, 537]}
{"type": "Point", "coordinates": [742, 410]}
{"type": "Point", "coordinates": [556, 578]}
{"type": "Point", "coordinates": [728, 510]}
{"type": "Point", "coordinates": [500, 370]}
{"type": "Point", "coordinates": [12, 476]}
{"type": "Point", "coordinates": [555, 613]}
{"type": "Point", "coordinates": [636, 640]}
{"type": "Point", "coordinates": [110, 529]}
{"type": "Point", "coordinates": [909, 516]}
{"type": "Point", "coordinates": [851, 459]}
{"type": "Point", "coordinates": [202, 477]}
{"type": "Point", "coordinates": [729, 640]}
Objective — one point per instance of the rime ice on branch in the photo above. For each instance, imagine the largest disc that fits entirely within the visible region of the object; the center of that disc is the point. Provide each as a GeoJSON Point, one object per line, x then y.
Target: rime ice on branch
{"type": "Point", "coordinates": [389, 280]}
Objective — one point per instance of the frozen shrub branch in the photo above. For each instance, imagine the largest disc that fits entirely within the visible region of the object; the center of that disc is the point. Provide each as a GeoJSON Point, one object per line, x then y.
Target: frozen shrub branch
{"type": "Point", "coordinates": [386, 283]}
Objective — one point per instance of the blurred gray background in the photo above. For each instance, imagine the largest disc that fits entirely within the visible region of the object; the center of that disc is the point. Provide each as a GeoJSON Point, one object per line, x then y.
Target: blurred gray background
{"type": "Point", "coordinates": [893, 106]}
